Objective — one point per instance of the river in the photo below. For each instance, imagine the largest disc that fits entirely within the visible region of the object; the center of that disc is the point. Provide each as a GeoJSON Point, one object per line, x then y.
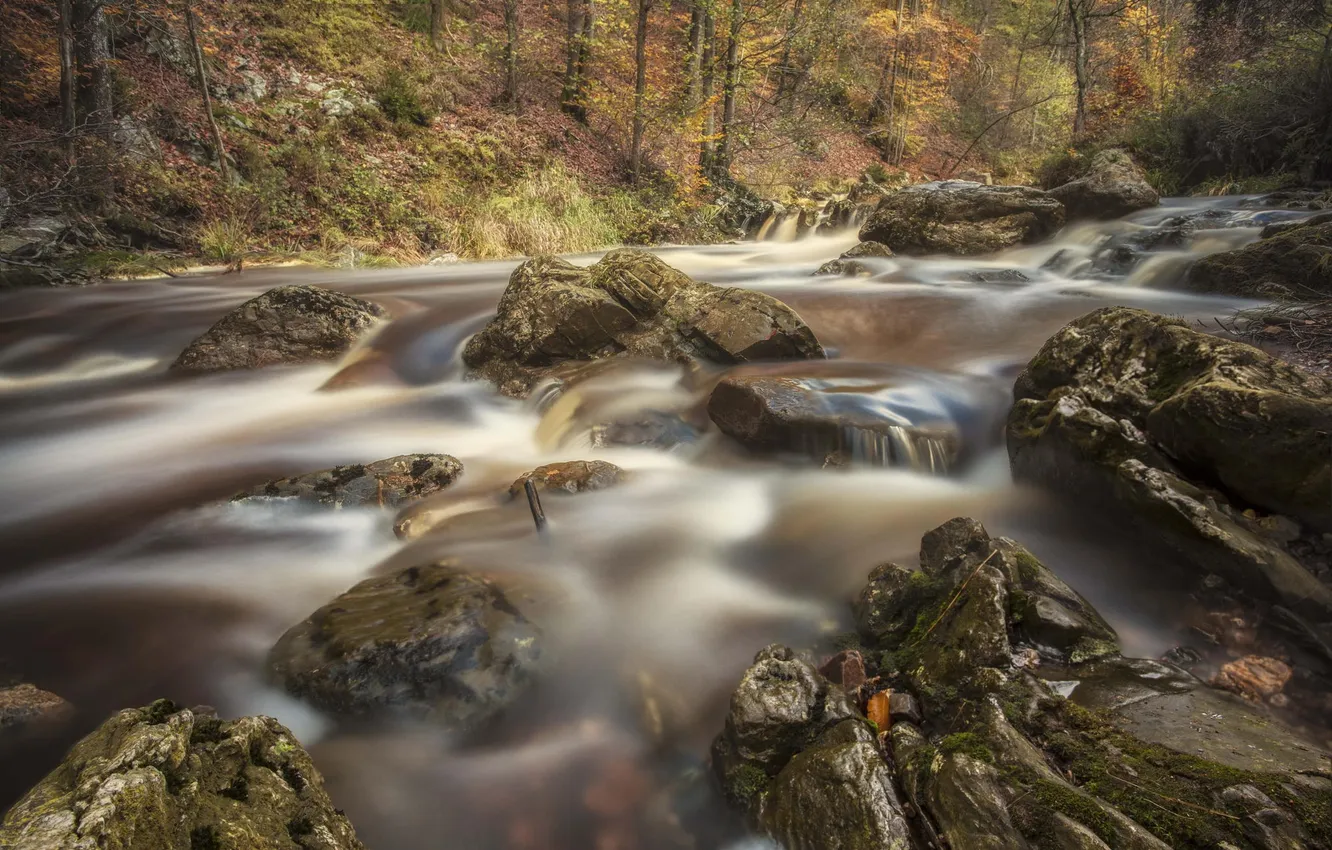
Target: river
{"type": "Point", "coordinates": [126, 576]}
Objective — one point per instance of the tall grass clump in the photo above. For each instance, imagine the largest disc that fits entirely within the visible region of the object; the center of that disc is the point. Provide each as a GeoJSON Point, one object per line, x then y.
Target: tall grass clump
{"type": "Point", "coordinates": [224, 240]}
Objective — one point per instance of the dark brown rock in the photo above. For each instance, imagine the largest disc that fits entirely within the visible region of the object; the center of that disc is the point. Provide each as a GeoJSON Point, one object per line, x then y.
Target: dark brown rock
{"type": "Point", "coordinates": [290, 325]}
{"type": "Point", "coordinates": [26, 706]}
{"type": "Point", "coordinates": [962, 218]}
{"type": "Point", "coordinates": [391, 483]}
{"type": "Point", "coordinates": [433, 641]}
{"type": "Point", "coordinates": [573, 476]}
{"type": "Point", "coordinates": [846, 668]}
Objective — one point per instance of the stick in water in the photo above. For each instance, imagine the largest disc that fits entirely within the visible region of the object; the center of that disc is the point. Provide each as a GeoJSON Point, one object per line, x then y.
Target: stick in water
{"type": "Point", "coordinates": [534, 502]}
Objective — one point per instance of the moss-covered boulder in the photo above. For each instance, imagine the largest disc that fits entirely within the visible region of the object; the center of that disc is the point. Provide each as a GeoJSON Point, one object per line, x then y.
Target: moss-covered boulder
{"type": "Point", "coordinates": [554, 315]}
{"type": "Point", "coordinates": [1112, 186]}
{"type": "Point", "coordinates": [849, 263]}
{"type": "Point", "coordinates": [1182, 431]}
{"type": "Point", "coordinates": [392, 482]}
{"type": "Point", "coordinates": [435, 642]}
{"type": "Point", "coordinates": [1295, 263]}
{"type": "Point", "coordinates": [166, 778]}
{"type": "Point", "coordinates": [287, 326]}
{"type": "Point", "coordinates": [962, 218]}
{"type": "Point", "coordinates": [1141, 755]}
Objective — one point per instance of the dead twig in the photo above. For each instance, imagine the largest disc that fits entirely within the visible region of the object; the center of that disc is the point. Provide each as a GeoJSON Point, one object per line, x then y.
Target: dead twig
{"type": "Point", "coordinates": [956, 596]}
{"type": "Point", "coordinates": [534, 502]}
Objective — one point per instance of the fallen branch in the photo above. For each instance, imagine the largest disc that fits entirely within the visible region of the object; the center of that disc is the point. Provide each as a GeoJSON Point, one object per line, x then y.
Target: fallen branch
{"type": "Point", "coordinates": [534, 502]}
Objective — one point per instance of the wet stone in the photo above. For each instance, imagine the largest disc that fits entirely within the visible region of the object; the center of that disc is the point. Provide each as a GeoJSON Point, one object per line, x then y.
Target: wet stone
{"type": "Point", "coordinates": [846, 668]}
{"type": "Point", "coordinates": [569, 477]}
{"type": "Point", "coordinates": [391, 483]}
{"type": "Point", "coordinates": [26, 706]}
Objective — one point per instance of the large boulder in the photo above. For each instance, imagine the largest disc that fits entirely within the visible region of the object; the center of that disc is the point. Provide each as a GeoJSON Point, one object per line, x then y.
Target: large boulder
{"type": "Point", "coordinates": [433, 642]}
{"type": "Point", "coordinates": [1294, 263]}
{"type": "Point", "coordinates": [392, 482]}
{"type": "Point", "coordinates": [955, 217]}
{"type": "Point", "coordinates": [1141, 755]}
{"type": "Point", "coordinates": [1112, 186]}
{"type": "Point", "coordinates": [629, 303]}
{"type": "Point", "coordinates": [1183, 431]}
{"type": "Point", "coordinates": [166, 778]}
{"type": "Point", "coordinates": [290, 325]}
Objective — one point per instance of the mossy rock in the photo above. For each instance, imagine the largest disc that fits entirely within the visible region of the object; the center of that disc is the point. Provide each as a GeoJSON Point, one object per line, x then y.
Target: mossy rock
{"type": "Point", "coordinates": [1295, 263]}
{"type": "Point", "coordinates": [392, 482]}
{"type": "Point", "coordinates": [166, 778]}
{"type": "Point", "coordinates": [962, 218]}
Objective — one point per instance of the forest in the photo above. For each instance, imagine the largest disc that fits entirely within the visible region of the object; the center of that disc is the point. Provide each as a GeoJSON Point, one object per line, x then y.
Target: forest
{"type": "Point", "coordinates": [397, 131]}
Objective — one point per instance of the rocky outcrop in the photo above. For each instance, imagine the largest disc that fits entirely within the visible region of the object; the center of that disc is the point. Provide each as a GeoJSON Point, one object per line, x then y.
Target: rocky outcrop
{"type": "Point", "coordinates": [287, 326]}
{"type": "Point", "coordinates": [993, 752]}
{"type": "Point", "coordinates": [630, 303]}
{"type": "Point", "coordinates": [167, 778]}
{"type": "Point", "coordinates": [391, 483]}
{"type": "Point", "coordinates": [1294, 263]}
{"type": "Point", "coordinates": [1112, 186]}
{"type": "Point", "coordinates": [955, 217]}
{"type": "Point", "coordinates": [809, 417]}
{"type": "Point", "coordinates": [435, 642]}
{"type": "Point", "coordinates": [848, 263]}
{"type": "Point", "coordinates": [1186, 434]}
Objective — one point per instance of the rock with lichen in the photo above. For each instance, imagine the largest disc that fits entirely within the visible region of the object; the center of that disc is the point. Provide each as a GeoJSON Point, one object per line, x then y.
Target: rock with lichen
{"type": "Point", "coordinates": [168, 778]}
{"type": "Point", "coordinates": [1294, 262]}
{"type": "Point", "coordinates": [1112, 186]}
{"type": "Point", "coordinates": [554, 316]}
{"type": "Point", "coordinates": [286, 326]}
{"type": "Point", "coordinates": [392, 482]}
{"type": "Point", "coordinates": [849, 263]}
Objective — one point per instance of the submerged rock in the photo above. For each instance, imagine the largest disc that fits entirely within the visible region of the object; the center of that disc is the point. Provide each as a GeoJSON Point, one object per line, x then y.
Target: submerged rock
{"type": "Point", "coordinates": [433, 641]}
{"type": "Point", "coordinates": [573, 476]}
{"type": "Point", "coordinates": [962, 218]}
{"type": "Point", "coordinates": [848, 263]}
{"type": "Point", "coordinates": [290, 325]}
{"type": "Point", "coordinates": [25, 706]}
{"type": "Point", "coordinates": [165, 778]}
{"type": "Point", "coordinates": [387, 483]}
{"type": "Point", "coordinates": [553, 315]}
{"type": "Point", "coordinates": [923, 421]}
{"type": "Point", "coordinates": [1121, 405]}
{"type": "Point", "coordinates": [1294, 263]}
{"type": "Point", "coordinates": [1113, 186]}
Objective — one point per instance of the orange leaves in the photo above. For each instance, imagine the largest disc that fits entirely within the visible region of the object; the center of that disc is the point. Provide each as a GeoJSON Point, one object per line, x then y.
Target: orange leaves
{"type": "Point", "coordinates": [877, 710]}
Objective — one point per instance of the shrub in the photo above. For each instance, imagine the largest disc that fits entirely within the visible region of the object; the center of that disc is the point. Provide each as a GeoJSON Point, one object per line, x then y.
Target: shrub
{"type": "Point", "coordinates": [225, 240]}
{"type": "Point", "coordinates": [399, 97]}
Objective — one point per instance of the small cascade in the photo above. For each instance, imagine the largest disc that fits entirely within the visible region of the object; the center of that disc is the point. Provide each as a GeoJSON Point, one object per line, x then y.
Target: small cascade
{"type": "Point", "coordinates": [897, 446]}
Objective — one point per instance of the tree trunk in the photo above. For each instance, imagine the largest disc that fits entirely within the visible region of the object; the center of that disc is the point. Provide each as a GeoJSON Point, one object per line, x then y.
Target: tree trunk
{"type": "Point", "coordinates": [437, 9]}
{"type": "Point", "coordinates": [731, 85]}
{"type": "Point", "coordinates": [785, 75]}
{"type": "Point", "coordinates": [92, 50]}
{"type": "Point", "coordinates": [201, 72]}
{"type": "Point", "coordinates": [511, 54]}
{"type": "Point", "coordinates": [694, 60]}
{"type": "Point", "coordinates": [709, 60]}
{"type": "Point", "coordinates": [571, 95]}
{"type": "Point", "coordinates": [1081, 71]}
{"type": "Point", "coordinates": [640, 88]}
{"type": "Point", "coordinates": [68, 119]}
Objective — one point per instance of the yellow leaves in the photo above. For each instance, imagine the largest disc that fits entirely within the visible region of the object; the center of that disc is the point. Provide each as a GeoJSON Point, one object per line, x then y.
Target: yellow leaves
{"type": "Point", "coordinates": [877, 710]}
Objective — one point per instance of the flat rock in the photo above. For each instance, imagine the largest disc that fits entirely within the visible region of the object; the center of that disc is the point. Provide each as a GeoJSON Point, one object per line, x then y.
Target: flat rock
{"type": "Point", "coordinates": [392, 482]}
{"type": "Point", "coordinates": [165, 778]}
{"type": "Point", "coordinates": [1293, 263]}
{"type": "Point", "coordinates": [286, 326]}
{"type": "Point", "coordinates": [434, 641]}
{"type": "Point", "coordinates": [629, 303]}
{"type": "Point", "coordinates": [956, 217]}
{"type": "Point", "coordinates": [569, 477]}
{"type": "Point", "coordinates": [25, 706]}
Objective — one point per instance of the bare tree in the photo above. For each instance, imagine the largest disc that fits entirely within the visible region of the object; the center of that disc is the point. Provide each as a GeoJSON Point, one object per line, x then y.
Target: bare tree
{"type": "Point", "coordinates": [730, 88]}
{"type": "Point", "coordinates": [694, 55]}
{"type": "Point", "coordinates": [785, 73]}
{"type": "Point", "coordinates": [708, 60]}
{"type": "Point", "coordinates": [68, 117]}
{"type": "Point", "coordinates": [438, 10]}
{"type": "Point", "coordinates": [573, 95]}
{"type": "Point", "coordinates": [1081, 15]}
{"type": "Point", "coordinates": [201, 73]}
{"type": "Point", "coordinates": [92, 55]}
{"type": "Point", "coordinates": [640, 88]}
{"type": "Point", "coordinates": [511, 53]}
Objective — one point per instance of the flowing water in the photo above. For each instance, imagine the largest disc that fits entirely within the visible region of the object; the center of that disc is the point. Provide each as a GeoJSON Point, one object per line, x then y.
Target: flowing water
{"type": "Point", "coordinates": [126, 576]}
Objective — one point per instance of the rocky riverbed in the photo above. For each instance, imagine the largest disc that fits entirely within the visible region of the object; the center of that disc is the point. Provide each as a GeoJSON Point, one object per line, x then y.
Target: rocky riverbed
{"type": "Point", "coordinates": [1030, 556]}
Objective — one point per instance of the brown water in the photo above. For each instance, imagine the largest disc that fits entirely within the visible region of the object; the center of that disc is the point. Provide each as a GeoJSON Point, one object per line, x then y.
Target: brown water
{"type": "Point", "coordinates": [123, 579]}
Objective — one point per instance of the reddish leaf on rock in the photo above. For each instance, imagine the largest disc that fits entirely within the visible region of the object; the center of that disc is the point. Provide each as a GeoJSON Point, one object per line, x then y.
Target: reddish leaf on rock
{"type": "Point", "coordinates": [877, 710]}
{"type": "Point", "coordinates": [846, 668]}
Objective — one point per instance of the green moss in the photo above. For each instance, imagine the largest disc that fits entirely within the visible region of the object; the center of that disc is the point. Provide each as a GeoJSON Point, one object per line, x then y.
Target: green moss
{"type": "Point", "coordinates": [1087, 649]}
{"type": "Point", "coordinates": [968, 744]}
{"type": "Point", "coordinates": [1034, 813]}
{"type": "Point", "coordinates": [745, 784]}
{"type": "Point", "coordinates": [159, 711]}
{"type": "Point", "coordinates": [205, 838]}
